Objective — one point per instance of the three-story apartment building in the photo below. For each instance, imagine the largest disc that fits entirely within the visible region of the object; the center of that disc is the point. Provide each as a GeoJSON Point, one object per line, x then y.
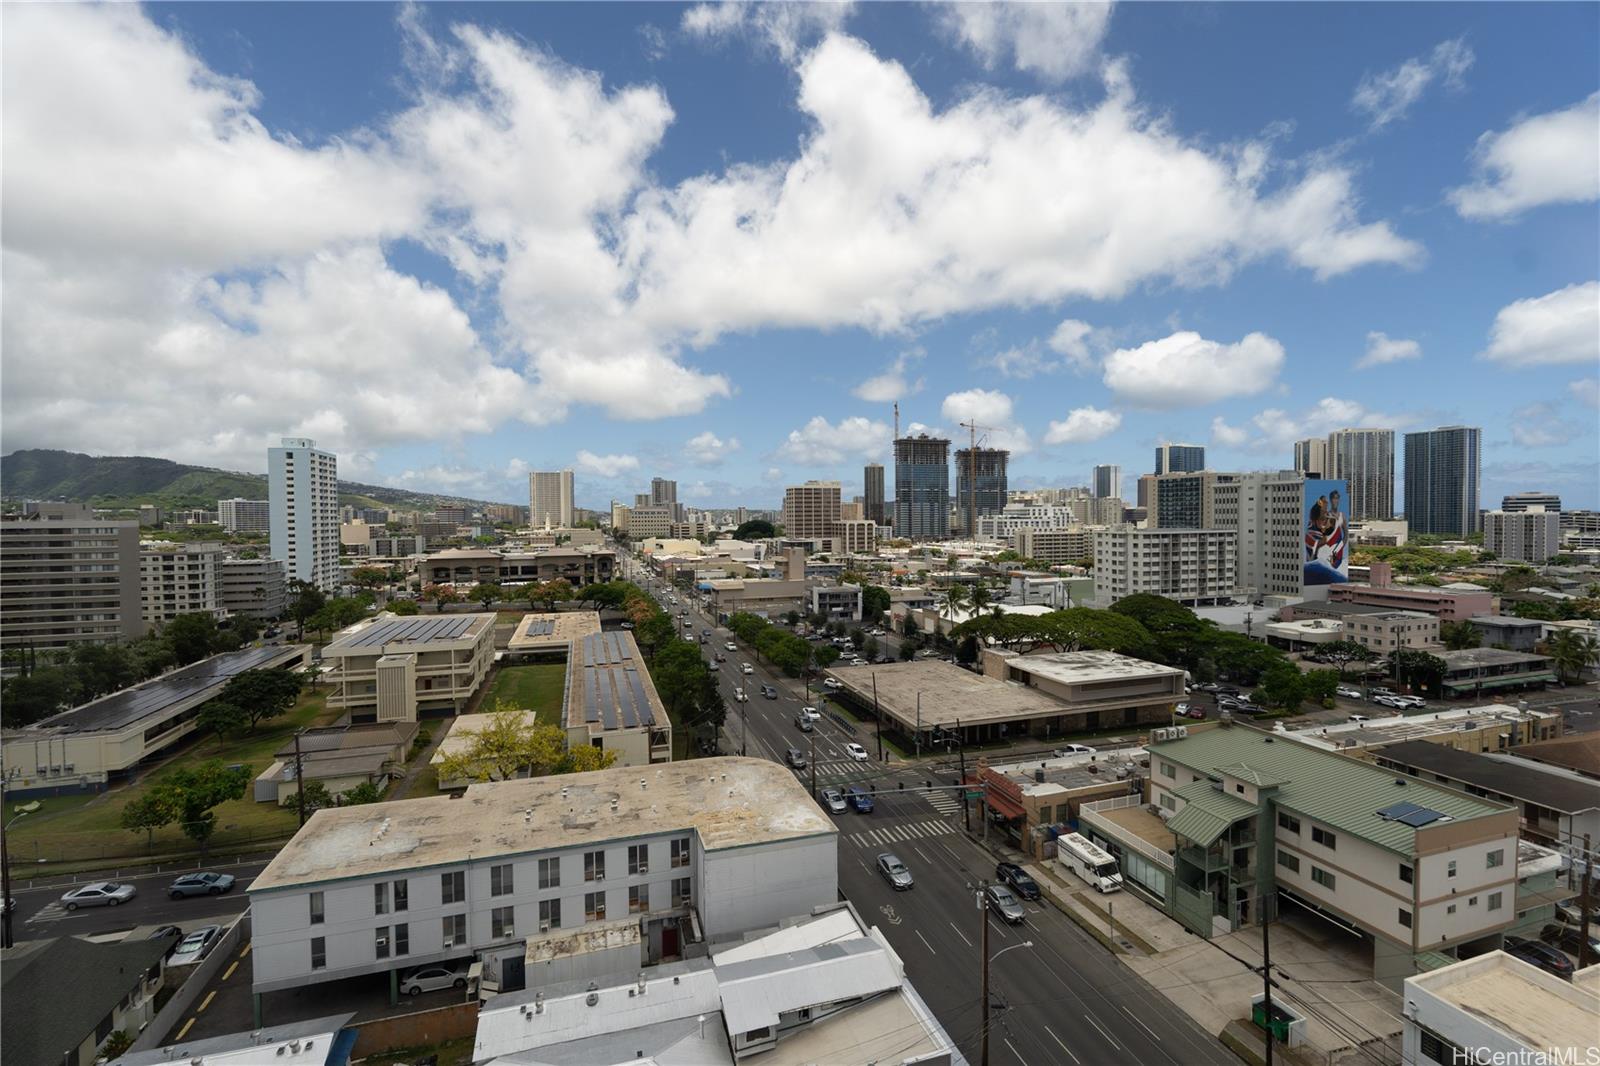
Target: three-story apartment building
{"type": "Point", "coordinates": [387, 668]}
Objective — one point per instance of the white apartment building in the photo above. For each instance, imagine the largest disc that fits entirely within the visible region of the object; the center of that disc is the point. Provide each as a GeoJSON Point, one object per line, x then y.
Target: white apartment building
{"type": "Point", "coordinates": [1530, 536]}
{"type": "Point", "coordinates": [1365, 459]}
{"type": "Point", "coordinates": [387, 668]}
{"type": "Point", "coordinates": [1497, 1008]}
{"type": "Point", "coordinates": [253, 588]}
{"type": "Point", "coordinates": [1072, 544]}
{"type": "Point", "coordinates": [303, 491]}
{"type": "Point", "coordinates": [1003, 525]}
{"type": "Point", "coordinates": [550, 495]}
{"type": "Point", "coordinates": [856, 536]}
{"type": "Point", "coordinates": [178, 579]}
{"type": "Point", "coordinates": [1192, 566]}
{"type": "Point", "coordinates": [67, 577]}
{"type": "Point", "coordinates": [700, 850]}
{"type": "Point", "coordinates": [244, 516]}
{"type": "Point", "coordinates": [1265, 509]}
{"type": "Point", "coordinates": [811, 510]}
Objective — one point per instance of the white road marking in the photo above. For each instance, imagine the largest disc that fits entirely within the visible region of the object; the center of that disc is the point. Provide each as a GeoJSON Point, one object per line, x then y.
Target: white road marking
{"type": "Point", "coordinates": [1141, 1024]}
{"type": "Point", "coordinates": [1015, 1052]}
{"type": "Point", "coordinates": [1060, 1045]}
{"type": "Point", "coordinates": [964, 940]}
{"type": "Point", "coordinates": [925, 942]}
{"type": "Point", "coordinates": [1090, 1019]}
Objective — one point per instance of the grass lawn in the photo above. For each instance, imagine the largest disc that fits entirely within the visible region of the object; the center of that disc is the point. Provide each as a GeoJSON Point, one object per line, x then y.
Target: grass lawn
{"type": "Point", "coordinates": [77, 828]}
{"type": "Point", "coordinates": [536, 688]}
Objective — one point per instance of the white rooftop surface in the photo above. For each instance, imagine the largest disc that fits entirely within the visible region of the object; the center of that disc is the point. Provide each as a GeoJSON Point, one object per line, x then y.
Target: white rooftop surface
{"type": "Point", "coordinates": [826, 928]}
{"type": "Point", "coordinates": [893, 1028]}
{"type": "Point", "coordinates": [556, 630]}
{"type": "Point", "coordinates": [1081, 667]}
{"type": "Point", "coordinates": [948, 693]}
{"type": "Point", "coordinates": [1411, 726]}
{"type": "Point", "coordinates": [459, 733]}
{"type": "Point", "coordinates": [755, 992]}
{"type": "Point", "coordinates": [1537, 1009]}
{"type": "Point", "coordinates": [730, 802]}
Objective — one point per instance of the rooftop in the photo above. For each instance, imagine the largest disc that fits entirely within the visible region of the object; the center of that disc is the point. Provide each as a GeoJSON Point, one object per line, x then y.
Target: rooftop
{"type": "Point", "coordinates": [729, 802]}
{"type": "Point", "coordinates": [553, 632]}
{"type": "Point", "coordinates": [1345, 793]}
{"type": "Point", "coordinates": [608, 685]}
{"type": "Point", "coordinates": [1579, 752]}
{"type": "Point", "coordinates": [309, 1043]}
{"type": "Point", "coordinates": [1537, 1010]}
{"type": "Point", "coordinates": [380, 632]}
{"type": "Point", "coordinates": [1508, 620]}
{"type": "Point", "coordinates": [947, 692]}
{"type": "Point", "coordinates": [1518, 778]}
{"type": "Point", "coordinates": [1474, 657]}
{"type": "Point", "coordinates": [1382, 731]}
{"type": "Point", "coordinates": [1086, 667]}
{"type": "Point", "coordinates": [57, 990]}
{"type": "Point", "coordinates": [1340, 609]}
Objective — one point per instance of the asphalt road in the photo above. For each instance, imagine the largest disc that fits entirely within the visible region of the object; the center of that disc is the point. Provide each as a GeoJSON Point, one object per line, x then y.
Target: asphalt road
{"type": "Point", "coordinates": [40, 913]}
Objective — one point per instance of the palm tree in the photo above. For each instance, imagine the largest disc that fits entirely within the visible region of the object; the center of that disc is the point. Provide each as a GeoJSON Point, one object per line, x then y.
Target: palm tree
{"type": "Point", "coordinates": [979, 598]}
{"type": "Point", "coordinates": [954, 598]}
{"type": "Point", "coordinates": [1571, 652]}
{"type": "Point", "coordinates": [1460, 636]}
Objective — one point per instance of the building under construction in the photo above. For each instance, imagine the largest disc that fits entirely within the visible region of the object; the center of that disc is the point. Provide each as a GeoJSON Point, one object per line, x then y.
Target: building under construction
{"type": "Point", "coordinates": [980, 484]}
{"type": "Point", "coordinates": [922, 487]}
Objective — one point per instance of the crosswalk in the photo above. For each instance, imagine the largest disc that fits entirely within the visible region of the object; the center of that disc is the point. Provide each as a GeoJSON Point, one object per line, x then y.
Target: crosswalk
{"type": "Point", "coordinates": [898, 833]}
{"type": "Point", "coordinates": [50, 912]}
{"type": "Point", "coordinates": [844, 768]}
{"type": "Point", "coordinates": [946, 803]}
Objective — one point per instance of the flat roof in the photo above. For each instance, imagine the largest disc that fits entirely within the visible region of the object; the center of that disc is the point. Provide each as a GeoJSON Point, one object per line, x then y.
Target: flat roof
{"type": "Point", "coordinates": [1338, 607]}
{"type": "Point", "coordinates": [415, 629]}
{"type": "Point", "coordinates": [1521, 779]}
{"type": "Point", "coordinates": [1456, 660]}
{"type": "Point", "coordinates": [1504, 992]}
{"type": "Point", "coordinates": [1137, 820]}
{"type": "Point", "coordinates": [608, 685]}
{"type": "Point", "coordinates": [1382, 731]}
{"type": "Point", "coordinates": [948, 694]}
{"type": "Point", "coordinates": [730, 802]}
{"type": "Point", "coordinates": [546, 632]}
{"type": "Point", "coordinates": [197, 682]}
{"type": "Point", "coordinates": [1507, 620]}
{"type": "Point", "coordinates": [1084, 667]}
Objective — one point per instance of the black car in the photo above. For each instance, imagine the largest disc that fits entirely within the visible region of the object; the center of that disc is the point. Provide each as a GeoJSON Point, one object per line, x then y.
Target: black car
{"type": "Point", "coordinates": [1569, 938]}
{"type": "Point", "coordinates": [1017, 878]}
{"type": "Point", "coordinates": [1543, 956]}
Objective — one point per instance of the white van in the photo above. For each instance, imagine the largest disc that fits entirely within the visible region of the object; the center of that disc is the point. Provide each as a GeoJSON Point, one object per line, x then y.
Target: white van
{"type": "Point", "coordinates": [1092, 863]}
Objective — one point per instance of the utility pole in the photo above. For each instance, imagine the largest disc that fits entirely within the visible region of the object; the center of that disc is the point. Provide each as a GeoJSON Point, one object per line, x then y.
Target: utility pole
{"type": "Point", "coordinates": [813, 760]}
{"type": "Point", "coordinates": [877, 716]}
{"type": "Point", "coordinates": [1266, 975]}
{"type": "Point", "coordinates": [983, 916]}
{"type": "Point", "coordinates": [919, 725]}
{"type": "Point", "coordinates": [961, 753]}
{"type": "Point", "coordinates": [1585, 905]}
{"type": "Point", "coordinates": [744, 725]}
{"type": "Point", "coordinates": [5, 878]}
{"type": "Point", "coordinates": [299, 781]}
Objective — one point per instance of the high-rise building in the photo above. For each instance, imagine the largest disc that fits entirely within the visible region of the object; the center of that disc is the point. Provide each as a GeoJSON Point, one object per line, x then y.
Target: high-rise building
{"type": "Point", "coordinates": [1364, 458]}
{"type": "Point", "coordinates": [1443, 472]}
{"type": "Point", "coordinates": [1527, 536]}
{"type": "Point", "coordinates": [550, 499]}
{"type": "Point", "coordinates": [1179, 501]}
{"type": "Point", "coordinates": [179, 579]}
{"type": "Point", "coordinates": [1311, 457]}
{"type": "Point", "coordinates": [303, 491]}
{"type": "Point", "coordinates": [67, 577]}
{"type": "Point", "coordinates": [1108, 482]}
{"type": "Point", "coordinates": [1264, 509]}
{"type": "Point", "coordinates": [1527, 501]}
{"type": "Point", "coordinates": [664, 493]}
{"type": "Point", "coordinates": [244, 516]}
{"type": "Point", "coordinates": [872, 475]}
{"type": "Point", "coordinates": [1180, 458]}
{"type": "Point", "coordinates": [1192, 566]}
{"type": "Point", "coordinates": [922, 487]}
{"type": "Point", "coordinates": [980, 484]}
{"type": "Point", "coordinates": [811, 511]}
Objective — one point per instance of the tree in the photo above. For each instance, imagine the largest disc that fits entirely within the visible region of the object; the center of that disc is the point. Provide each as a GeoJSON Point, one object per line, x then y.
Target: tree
{"type": "Point", "coordinates": [874, 602]}
{"type": "Point", "coordinates": [404, 608]}
{"type": "Point", "coordinates": [192, 636]}
{"type": "Point", "coordinates": [1571, 653]}
{"type": "Point", "coordinates": [710, 709]}
{"type": "Point", "coordinates": [858, 637]}
{"type": "Point", "coordinates": [1321, 685]}
{"type": "Point", "coordinates": [954, 598]}
{"type": "Point", "coordinates": [678, 672]}
{"type": "Point", "coordinates": [192, 793]}
{"type": "Point", "coordinates": [825, 656]}
{"type": "Point", "coordinates": [869, 648]}
{"type": "Point", "coordinates": [305, 600]}
{"type": "Point", "coordinates": [558, 591]}
{"type": "Point", "coordinates": [908, 651]}
{"type": "Point", "coordinates": [487, 592]}
{"type": "Point", "coordinates": [439, 595]}
{"type": "Point", "coordinates": [366, 792]}
{"type": "Point", "coordinates": [755, 529]}
{"type": "Point", "coordinates": [316, 797]}
{"type": "Point", "coordinates": [369, 577]}
{"type": "Point", "coordinates": [1459, 636]}
{"type": "Point", "coordinates": [263, 694]}
{"type": "Point", "coordinates": [117, 1044]}
{"type": "Point", "coordinates": [967, 650]}
{"type": "Point", "coordinates": [1417, 668]}
{"type": "Point", "coordinates": [145, 814]}
{"type": "Point", "coordinates": [979, 598]}
{"type": "Point", "coordinates": [792, 619]}
{"type": "Point", "coordinates": [102, 668]}
{"type": "Point", "coordinates": [222, 718]}
{"type": "Point", "coordinates": [30, 697]}
{"type": "Point", "coordinates": [512, 743]}
{"type": "Point", "coordinates": [1344, 652]}
{"type": "Point", "coordinates": [1281, 685]}
{"type": "Point", "coordinates": [585, 757]}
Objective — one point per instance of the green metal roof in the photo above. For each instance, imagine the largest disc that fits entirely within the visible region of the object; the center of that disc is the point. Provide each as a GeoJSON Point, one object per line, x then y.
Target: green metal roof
{"type": "Point", "coordinates": [1252, 774]}
{"type": "Point", "coordinates": [1338, 791]}
{"type": "Point", "coordinates": [1206, 812]}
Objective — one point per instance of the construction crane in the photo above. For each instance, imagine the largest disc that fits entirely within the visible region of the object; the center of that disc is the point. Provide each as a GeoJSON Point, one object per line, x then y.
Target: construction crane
{"type": "Point", "coordinates": [972, 474]}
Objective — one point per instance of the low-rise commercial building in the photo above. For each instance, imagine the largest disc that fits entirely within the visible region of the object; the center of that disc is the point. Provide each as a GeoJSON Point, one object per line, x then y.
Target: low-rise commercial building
{"type": "Point", "coordinates": [768, 597]}
{"type": "Point", "coordinates": [551, 635]}
{"type": "Point", "coordinates": [612, 703]}
{"type": "Point", "coordinates": [67, 577]}
{"type": "Point", "coordinates": [578, 565]}
{"type": "Point", "coordinates": [1497, 1008]}
{"type": "Point", "coordinates": [1381, 629]}
{"type": "Point", "coordinates": [690, 852]}
{"type": "Point", "coordinates": [836, 603]}
{"type": "Point", "coordinates": [1476, 672]}
{"type": "Point", "coordinates": [1035, 801]}
{"type": "Point", "coordinates": [1198, 567]}
{"type": "Point", "coordinates": [339, 757]}
{"type": "Point", "coordinates": [178, 579]}
{"type": "Point", "coordinates": [65, 996]}
{"type": "Point", "coordinates": [1508, 631]}
{"type": "Point", "coordinates": [389, 669]}
{"type": "Point", "coordinates": [252, 588]}
{"type": "Point", "coordinates": [1448, 605]}
{"type": "Point", "coordinates": [1493, 727]}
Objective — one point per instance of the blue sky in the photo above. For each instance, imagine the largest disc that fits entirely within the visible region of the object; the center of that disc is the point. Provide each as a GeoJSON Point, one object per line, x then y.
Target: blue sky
{"type": "Point", "coordinates": [713, 242]}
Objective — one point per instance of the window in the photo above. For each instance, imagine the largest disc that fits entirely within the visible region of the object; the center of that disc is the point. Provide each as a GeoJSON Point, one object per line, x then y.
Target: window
{"type": "Point", "coordinates": [1238, 788]}
{"type": "Point", "coordinates": [1450, 869]}
{"type": "Point", "coordinates": [380, 942]}
{"type": "Point", "coordinates": [455, 930]}
{"type": "Point", "coordinates": [503, 922]}
{"type": "Point", "coordinates": [319, 951]}
{"type": "Point", "coordinates": [316, 908]}
{"type": "Point", "coordinates": [1436, 1048]}
{"type": "Point", "coordinates": [1495, 900]}
{"type": "Point", "coordinates": [402, 895]}
{"type": "Point", "coordinates": [1288, 822]}
{"type": "Point", "coordinates": [549, 873]}
{"type": "Point", "coordinates": [1407, 875]}
{"type": "Point", "coordinates": [452, 887]}
{"type": "Point", "coordinates": [1322, 877]}
{"type": "Point", "coordinates": [1405, 917]}
{"type": "Point", "coordinates": [1321, 836]}
{"type": "Point", "coordinates": [638, 858]}
{"type": "Point", "coordinates": [638, 899]}
{"type": "Point", "coordinates": [1495, 858]}
{"type": "Point", "coordinates": [594, 906]}
{"type": "Point", "coordinates": [680, 852]}
{"type": "Point", "coordinates": [500, 880]}
{"type": "Point", "coordinates": [594, 866]}
{"type": "Point", "coordinates": [402, 939]}
{"type": "Point", "coordinates": [1168, 770]}
{"type": "Point", "coordinates": [380, 898]}
{"type": "Point", "coordinates": [550, 913]}
{"type": "Point", "coordinates": [680, 892]}
{"type": "Point", "coordinates": [1288, 861]}
{"type": "Point", "coordinates": [1450, 909]}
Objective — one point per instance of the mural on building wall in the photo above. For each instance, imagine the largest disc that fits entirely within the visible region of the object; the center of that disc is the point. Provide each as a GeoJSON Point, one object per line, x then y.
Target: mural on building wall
{"type": "Point", "coordinates": [1327, 544]}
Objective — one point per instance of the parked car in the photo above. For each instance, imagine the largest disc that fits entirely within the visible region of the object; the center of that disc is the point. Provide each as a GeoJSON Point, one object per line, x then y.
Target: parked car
{"type": "Point", "coordinates": [1348, 692]}
{"type": "Point", "coordinates": [856, 751]}
{"type": "Point", "coordinates": [1191, 710]}
{"type": "Point", "coordinates": [803, 723]}
{"type": "Point", "coordinates": [197, 945]}
{"type": "Point", "coordinates": [200, 884]}
{"type": "Point", "coordinates": [1411, 702]}
{"type": "Point", "coordinates": [1017, 879]}
{"type": "Point", "coordinates": [894, 871]}
{"type": "Point", "coordinates": [795, 758]}
{"type": "Point", "coordinates": [627, 625]}
{"type": "Point", "coordinates": [432, 979]}
{"type": "Point", "coordinates": [1570, 911]}
{"type": "Point", "coordinates": [859, 799]}
{"type": "Point", "coordinates": [1569, 938]}
{"type": "Point", "coordinates": [769, 692]}
{"type": "Point", "coordinates": [1074, 749]}
{"type": "Point", "coordinates": [833, 799]}
{"type": "Point", "coordinates": [1205, 686]}
{"type": "Point", "coordinates": [98, 894]}
{"type": "Point", "coordinates": [1005, 903]}
{"type": "Point", "coordinates": [1392, 702]}
{"type": "Point", "coordinates": [832, 683]}
{"type": "Point", "coordinates": [1543, 956]}
{"type": "Point", "coordinates": [1358, 718]}
{"type": "Point", "coordinates": [167, 932]}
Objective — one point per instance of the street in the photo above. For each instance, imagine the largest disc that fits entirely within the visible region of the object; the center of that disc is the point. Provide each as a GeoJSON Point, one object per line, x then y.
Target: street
{"type": "Point", "coordinates": [40, 913]}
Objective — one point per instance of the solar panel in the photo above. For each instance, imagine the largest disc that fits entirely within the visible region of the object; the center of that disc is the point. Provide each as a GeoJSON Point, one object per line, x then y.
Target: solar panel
{"type": "Point", "coordinates": [591, 711]}
{"type": "Point", "coordinates": [1399, 810]}
{"type": "Point", "coordinates": [608, 702]}
{"type": "Point", "coordinates": [1420, 817]}
{"type": "Point", "coordinates": [647, 714]}
{"type": "Point", "coordinates": [625, 704]}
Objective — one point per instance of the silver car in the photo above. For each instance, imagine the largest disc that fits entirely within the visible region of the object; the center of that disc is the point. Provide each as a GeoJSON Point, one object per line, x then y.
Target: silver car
{"type": "Point", "coordinates": [894, 871]}
{"type": "Point", "coordinates": [98, 894]}
{"type": "Point", "coordinates": [833, 799]}
{"type": "Point", "coordinates": [196, 946]}
{"type": "Point", "coordinates": [1005, 903]}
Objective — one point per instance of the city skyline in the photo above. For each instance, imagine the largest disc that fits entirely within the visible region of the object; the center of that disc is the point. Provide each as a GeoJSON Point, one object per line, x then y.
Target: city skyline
{"type": "Point", "coordinates": [1374, 244]}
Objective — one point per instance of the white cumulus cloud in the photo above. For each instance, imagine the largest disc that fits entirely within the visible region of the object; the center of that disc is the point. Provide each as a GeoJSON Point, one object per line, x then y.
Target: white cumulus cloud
{"type": "Point", "coordinates": [1387, 96]}
{"type": "Point", "coordinates": [1586, 391]}
{"type": "Point", "coordinates": [1083, 425]}
{"type": "Point", "coordinates": [1226, 435]}
{"type": "Point", "coordinates": [1553, 158]}
{"type": "Point", "coordinates": [1277, 430]}
{"type": "Point", "coordinates": [588, 462]}
{"type": "Point", "coordinates": [786, 27]}
{"type": "Point", "coordinates": [821, 443]}
{"type": "Point", "coordinates": [1540, 425]}
{"type": "Point", "coordinates": [1052, 40]}
{"type": "Point", "coordinates": [1187, 370]}
{"type": "Point", "coordinates": [1558, 327]}
{"type": "Point", "coordinates": [894, 383]}
{"type": "Point", "coordinates": [1382, 348]}
{"type": "Point", "coordinates": [708, 449]}
{"type": "Point", "coordinates": [992, 411]}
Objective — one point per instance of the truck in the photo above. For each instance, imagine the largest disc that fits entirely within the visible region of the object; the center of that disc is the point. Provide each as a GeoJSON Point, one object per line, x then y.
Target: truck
{"type": "Point", "coordinates": [1092, 863]}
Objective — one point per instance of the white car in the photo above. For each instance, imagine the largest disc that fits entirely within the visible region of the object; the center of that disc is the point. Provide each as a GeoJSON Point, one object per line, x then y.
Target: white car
{"type": "Point", "coordinates": [856, 751]}
{"type": "Point", "coordinates": [811, 713]}
{"type": "Point", "coordinates": [731, 646]}
{"type": "Point", "coordinates": [1075, 749]}
{"type": "Point", "coordinates": [1348, 692]}
{"type": "Point", "coordinates": [98, 894]}
{"type": "Point", "coordinates": [739, 696]}
{"type": "Point", "coordinates": [431, 979]}
{"type": "Point", "coordinates": [1359, 718]}
{"type": "Point", "coordinates": [746, 668]}
{"type": "Point", "coordinates": [832, 682]}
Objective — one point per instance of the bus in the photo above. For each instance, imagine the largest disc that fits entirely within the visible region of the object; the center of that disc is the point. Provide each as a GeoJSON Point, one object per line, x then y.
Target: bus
{"type": "Point", "coordinates": [1090, 862]}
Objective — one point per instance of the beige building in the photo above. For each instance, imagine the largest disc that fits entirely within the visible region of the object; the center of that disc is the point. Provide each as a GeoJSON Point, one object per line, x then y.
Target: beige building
{"type": "Point", "coordinates": [654, 520]}
{"type": "Point", "coordinates": [811, 510]}
{"type": "Point", "coordinates": [1492, 727]}
{"type": "Point", "coordinates": [253, 588]}
{"type": "Point", "coordinates": [550, 498]}
{"type": "Point", "coordinates": [178, 579]}
{"type": "Point", "coordinates": [611, 702]}
{"type": "Point", "coordinates": [340, 757]}
{"type": "Point", "coordinates": [551, 635]}
{"type": "Point", "coordinates": [389, 668]}
{"type": "Point", "coordinates": [67, 577]}
{"type": "Point", "coordinates": [579, 565]}
{"type": "Point", "coordinates": [856, 537]}
{"type": "Point", "coordinates": [1381, 629]}
{"type": "Point", "coordinates": [1071, 544]}
{"type": "Point", "coordinates": [244, 516]}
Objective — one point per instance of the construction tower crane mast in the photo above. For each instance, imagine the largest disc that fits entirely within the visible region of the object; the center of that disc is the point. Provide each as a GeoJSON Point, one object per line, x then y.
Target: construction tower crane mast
{"type": "Point", "coordinates": [972, 474]}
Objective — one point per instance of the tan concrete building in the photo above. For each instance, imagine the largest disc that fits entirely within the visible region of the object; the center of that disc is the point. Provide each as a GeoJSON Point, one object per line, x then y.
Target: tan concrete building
{"type": "Point", "coordinates": [1198, 567]}
{"type": "Point", "coordinates": [1381, 629]}
{"type": "Point", "coordinates": [811, 510]}
{"type": "Point", "coordinates": [611, 702]}
{"type": "Point", "coordinates": [67, 577]}
{"type": "Point", "coordinates": [253, 588]}
{"type": "Point", "coordinates": [178, 579]}
{"type": "Point", "coordinates": [550, 498]}
{"type": "Point", "coordinates": [856, 536]}
{"type": "Point", "coordinates": [549, 635]}
{"type": "Point", "coordinates": [389, 668]}
{"type": "Point", "coordinates": [1060, 547]}
{"type": "Point", "coordinates": [579, 565]}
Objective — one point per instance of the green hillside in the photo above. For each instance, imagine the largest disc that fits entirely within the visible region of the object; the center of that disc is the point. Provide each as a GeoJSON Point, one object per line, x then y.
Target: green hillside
{"type": "Point", "coordinates": [126, 481]}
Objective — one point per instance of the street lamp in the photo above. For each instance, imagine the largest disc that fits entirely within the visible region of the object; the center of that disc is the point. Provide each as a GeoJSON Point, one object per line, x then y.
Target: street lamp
{"type": "Point", "coordinates": [983, 912]}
